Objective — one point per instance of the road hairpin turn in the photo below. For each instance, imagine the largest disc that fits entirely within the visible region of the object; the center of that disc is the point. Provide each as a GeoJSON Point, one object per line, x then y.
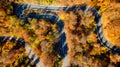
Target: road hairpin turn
{"type": "Point", "coordinates": [61, 45]}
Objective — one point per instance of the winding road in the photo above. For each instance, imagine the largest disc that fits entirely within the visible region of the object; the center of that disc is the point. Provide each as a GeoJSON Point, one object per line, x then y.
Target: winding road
{"type": "Point", "coordinates": [61, 45]}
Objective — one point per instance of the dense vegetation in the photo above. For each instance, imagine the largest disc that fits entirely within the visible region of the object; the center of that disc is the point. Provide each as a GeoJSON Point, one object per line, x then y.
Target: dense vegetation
{"type": "Point", "coordinates": [84, 48]}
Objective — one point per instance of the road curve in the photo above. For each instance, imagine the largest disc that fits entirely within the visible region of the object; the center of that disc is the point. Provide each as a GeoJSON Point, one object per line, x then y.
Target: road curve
{"type": "Point", "coordinates": [20, 42]}
{"type": "Point", "coordinates": [61, 45]}
{"type": "Point", "coordinates": [54, 19]}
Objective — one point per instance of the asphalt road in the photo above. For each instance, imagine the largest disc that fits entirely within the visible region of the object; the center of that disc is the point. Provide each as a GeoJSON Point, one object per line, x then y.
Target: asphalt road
{"type": "Point", "coordinates": [61, 45]}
